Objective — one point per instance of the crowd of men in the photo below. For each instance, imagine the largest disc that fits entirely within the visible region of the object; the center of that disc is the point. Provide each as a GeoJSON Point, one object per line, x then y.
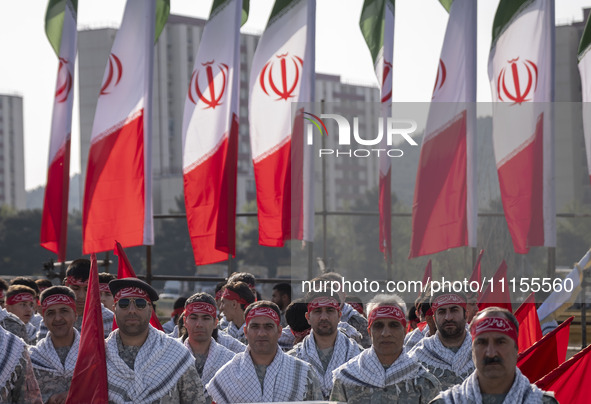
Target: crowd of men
{"type": "Point", "coordinates": [235, 347]}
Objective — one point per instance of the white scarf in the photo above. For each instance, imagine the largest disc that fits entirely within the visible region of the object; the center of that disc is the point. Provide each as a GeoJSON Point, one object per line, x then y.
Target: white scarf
{"type": "Point", "coordinates": [237, 381]}
{"type": "Point", "coordinates": [230, 342]}
{"type": "Point", "coordinates": [522, 392]}
{"type": "Point", "coordinates": [347, 311]}
{"type": "Point", "coordinates": [236, 332]}
{"type": "Point", "coordinates": [12, 348]}
{"type": "Point", "coordinates": [160, 363]}
{"type": "Point", "coordinates": [344, 349]}
{"type": "Point", "coordinates": [365, 370]}
{"type": "Point", "coordinates": [431, 352]}
{"type": "Point", "coordinates": [217, 356]}
{"type": "Point", "coordinates": [44, 356]}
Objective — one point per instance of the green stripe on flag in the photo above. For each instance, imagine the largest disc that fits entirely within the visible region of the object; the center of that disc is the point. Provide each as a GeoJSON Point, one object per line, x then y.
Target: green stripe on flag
{"type": "Point", "coordinates": [280, 8]}
{"type": "Point", "coordinates": [54, 21]}
{"type": "Point", "coordinates": [446, 4]}
{"type": "Point", "coordinates": [162, 12]}
{"type": "Point", "coordinates": [372, 23]}
{"type": "Point", "coordinates": [507, 11]}
{"type": "Point", "coordinates": [585, 45]}
{"type": "Point", "coordinates": [219, 4]}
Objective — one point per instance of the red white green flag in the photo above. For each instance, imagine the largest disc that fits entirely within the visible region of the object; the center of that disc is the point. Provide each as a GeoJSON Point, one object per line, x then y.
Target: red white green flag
{"type": "Point", "coordinates": [584, 57]}
{"type": "Point", "coordinates": [61, 30]}
{"type": "Point", "coordinates": [282, 73]}
{"type": "Point", "coordinates": [118, 190]}
{"type": "Point", "coordinates": [521, 70]}
{"type": "Point", "coordinates": [377, 27]}
{"type": "Point", "coordinates": [210, 136]}
{"type": "Point", "coordinates": [445, 203]}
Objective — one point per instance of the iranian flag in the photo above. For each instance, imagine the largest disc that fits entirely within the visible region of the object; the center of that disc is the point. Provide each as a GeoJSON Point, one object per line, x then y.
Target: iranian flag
{"type": "Point", "coordinates": [584, 58]}
{"type": "Point", "coordinates": [521, 70]}
{"type": "Point", "coordinates": [210, 136]}
{"type": "Point", "coordinates": [445, 204]}
{"type": "Point", "coordinates": [118, 190]}
{"type": "Point", "coordinates": [60, 27]}
{"type": "Point", "coordinates": [377, 27]}
{"type": "Point", "coordinates": [282, 73]}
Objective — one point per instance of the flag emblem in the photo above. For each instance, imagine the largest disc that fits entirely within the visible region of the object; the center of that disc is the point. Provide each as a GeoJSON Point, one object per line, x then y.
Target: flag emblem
{"type": "Point", "coordinates": [214, 97]}
{"type": "Point", "coordinates": [441, 76]}
{"type": "Point", "coordinates": [521, 73]}
{"type": "Point", "coordinates": [288, 76]}
{"type": "Point", "coordinates": [114, 76]}
{"type": "Point", "coordinates": [387, 81]}
{"type": "Point", "coordinates": [64, 78]}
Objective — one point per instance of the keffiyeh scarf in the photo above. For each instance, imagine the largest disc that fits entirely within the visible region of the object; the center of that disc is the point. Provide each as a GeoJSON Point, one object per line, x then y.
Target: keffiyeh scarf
{"type": "Point", "coordinates": [431, 352]}
{"type": "Point", "coordinates": [44, 357]}
{"type": "Point", "coordinates": [344, 350]}
{"type": "Point", "coordinates": [12, 348]}
{"type": "Point", "coordinates": [229, 342]}
{"type": "Point", "coordinates": [347, 312]}
{"type": "Point", "coordinates": [217, 357]}
{"type": "Point", "coordinates": [237, 381]}
{"type": "Point", "coordinates": [235, 332]}
{"type": "Point", "coordinates": [159, 365]}
{"type": "Point", "coordinates": [365, 370]}
{"type": "Point", "coordinates": [469, 392]}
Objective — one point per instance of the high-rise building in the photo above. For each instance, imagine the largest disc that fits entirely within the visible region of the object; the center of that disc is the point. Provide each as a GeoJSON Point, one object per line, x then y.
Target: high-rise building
{"type": "Point", "coordinates": [173, 65]}
{"type": "Point", "coordinates": [12, 155]}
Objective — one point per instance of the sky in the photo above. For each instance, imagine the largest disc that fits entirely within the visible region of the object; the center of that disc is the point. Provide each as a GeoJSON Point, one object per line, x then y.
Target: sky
{"type": "Point", "coordinates": [29, 66]}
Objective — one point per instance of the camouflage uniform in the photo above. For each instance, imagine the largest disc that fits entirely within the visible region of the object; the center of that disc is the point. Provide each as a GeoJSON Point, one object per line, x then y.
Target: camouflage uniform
{"type": "Point", "coordinates": [13, 324]}
{"type": "Point", "coordinates": [421, 391]}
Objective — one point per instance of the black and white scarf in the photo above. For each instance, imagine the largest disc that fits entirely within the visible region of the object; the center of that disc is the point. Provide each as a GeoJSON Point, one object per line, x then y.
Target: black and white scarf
{"type": "Point", "coordinates": [365, 370]}
{"type": "Point", "coordinates": [160, 363]}
{"type": "Point", "coordinates": [12, 348]}
{"type": "Point", "coordinates": [217, 356]}
{"type": "Point", "coordinates": [432, 353]}
{"type": "Point", "coordinates": [44, 356]}
{"type": "Point", "coordinates": [468, 392]}
{"type": "Point", "coordinates": [237, 381]}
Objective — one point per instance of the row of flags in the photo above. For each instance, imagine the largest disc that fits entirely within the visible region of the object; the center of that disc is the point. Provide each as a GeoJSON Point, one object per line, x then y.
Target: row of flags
{"type": "Point", "coordinates": [118, 188]}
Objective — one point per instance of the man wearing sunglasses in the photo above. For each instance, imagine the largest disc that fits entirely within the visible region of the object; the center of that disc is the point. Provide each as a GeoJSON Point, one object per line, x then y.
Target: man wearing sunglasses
{"type": "Point", "coordinates": [144, 364]}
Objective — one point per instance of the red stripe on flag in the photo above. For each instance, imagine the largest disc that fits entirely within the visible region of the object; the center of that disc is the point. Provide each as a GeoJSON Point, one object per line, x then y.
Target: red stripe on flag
{"type": "Point", "coordinates": [210, 201]}
{"type": "Point", "coordinates": [114, 192]}
{"type": "Point", "coordinates": [521, 181]}
{"type": "Point", "coordinates": [54, 222]}
{"type": "Point", "coordinates": [296, 228]}
{"type": "Point", "coordinates": [439, 217]}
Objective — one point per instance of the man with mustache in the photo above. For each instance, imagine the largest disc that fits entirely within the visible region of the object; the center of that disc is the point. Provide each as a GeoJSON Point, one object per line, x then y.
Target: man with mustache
{"type": "Point", "coordinates": [325, 348]}
{"type": "Point", "coordinates": [496, 379]}
{"type": "Point", "coordinates": [447, 354]}
{"type": "Point", "coordinates": [384, 373]}
{"type": "Point", "coordinates": [263, 373]}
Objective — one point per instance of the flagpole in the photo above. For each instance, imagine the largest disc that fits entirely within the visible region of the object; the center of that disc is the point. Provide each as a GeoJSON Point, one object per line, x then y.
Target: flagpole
{"type": "Point", "coordinates": [323, 192]}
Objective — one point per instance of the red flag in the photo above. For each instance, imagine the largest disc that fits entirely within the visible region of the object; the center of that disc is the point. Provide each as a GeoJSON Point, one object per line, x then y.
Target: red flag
{"type": "Point", "coordinates": [118, 190]}
{"type": "Point", "coordinates": [570, 381]}
{"type": "Point", "coordinates": [427, 276]}
{"type": "Point", "coordinates": [89, 383]}
{"type": "Point", "coordinates": [124, 270]}
{"type": "Point", "coordinates": [546, 354]}
{"type": "Point", "coordinates": [530, 330]}
{"type": "Point", "coordinates": [497, 294]}
{"type": "Point", "coordinates": [477, 273]}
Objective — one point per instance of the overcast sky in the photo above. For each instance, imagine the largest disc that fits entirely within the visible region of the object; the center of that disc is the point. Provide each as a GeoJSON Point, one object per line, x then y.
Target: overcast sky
{"type": "Point", "coordinates": [29, 66]}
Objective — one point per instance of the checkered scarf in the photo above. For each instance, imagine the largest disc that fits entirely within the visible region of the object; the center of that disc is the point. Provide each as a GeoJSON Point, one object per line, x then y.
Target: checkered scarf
{"type": "Point", "coordinates": [237, 381]}
{"type": "Point", "coordinates": [413, 337]}
{"type": "Point", "coordinates": [217, 357]}
{"type": "Point", "coordinates": [107, 324]}
{"type": "Point", "coordinates": [344, 350]}
{"type": "Point", "coordinates": [347, 311]}
{"type": "Point", "coordinates": [230, 342]}
{"type": "Point", "coordinates": [349, 331]}
{"type": "Point", "coordinates": [44, 357]}
{"type": "Point", "coordinates": [235, 332]}
{"type": "Point", "coordinates": [431, 352]}
{"type": "Point", "coordinates": [12, 348]}
{"type": "Point", "coordinates": [365, 370]}
{"type": "Point", "coordinates": [160, 363]}
{"type": "Point", "coordinates": [469, 391]}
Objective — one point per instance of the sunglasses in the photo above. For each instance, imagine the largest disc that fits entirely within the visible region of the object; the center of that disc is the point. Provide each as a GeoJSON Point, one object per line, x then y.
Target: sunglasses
{"type": "Point", "coordinates": [140, 303]}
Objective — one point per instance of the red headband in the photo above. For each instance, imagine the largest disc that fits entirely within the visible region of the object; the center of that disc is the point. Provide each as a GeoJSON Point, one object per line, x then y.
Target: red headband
{"type": "Point", "coordinates": [21, 297]}
{"type": "Point", "coordinates": [323, 301]}
{"type": "Point", "coordinates": [218, 294]}
{"type": "Point", "coordinates": [75, 281]}
{"type": "Point", "coordinates": [58, 299]}
{"type": "Point", "coordinates": [231, 295]}
{"type": "Point", "coordinates": [358, 307]}
{"type": "Point", "coordinates": [104, 287]}
{"type": "Point", "coordinates": [200, 308]}
{"type": "Point", "coordinates": [300, 334]}
{"type": "Point", "coordinates": [131, 292]}
{"type": "Point", "coordinates": [262, 312]}
{"type": "Point", "coordinates": [391, 312]}
{"type": "Point", "coordinates": [445, 300]}
{"type": "Point", "coordinates": [494, 324]}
